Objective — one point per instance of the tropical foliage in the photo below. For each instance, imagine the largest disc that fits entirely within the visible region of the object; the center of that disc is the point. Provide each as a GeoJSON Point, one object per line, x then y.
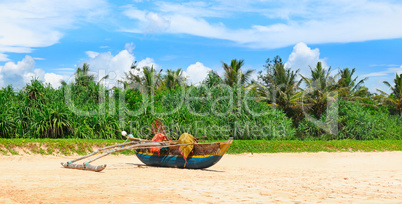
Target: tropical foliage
{"type": "Point", "coordinates": [145, 80]}
{"type": "Point", "coordinates": [395, 98]}
{"type": "Point", "coordinates": [275, 106]}
{"type": "Point", "coordinates": [234, 74]}
{"type": "Point", "coordinates": [174, 79]}
{"type": "Point", "coordinates": [319, 91]}
{"type": "Point", "coordinates": [279, 87]}
{"type": "Point", "coordinates": [349, 87]}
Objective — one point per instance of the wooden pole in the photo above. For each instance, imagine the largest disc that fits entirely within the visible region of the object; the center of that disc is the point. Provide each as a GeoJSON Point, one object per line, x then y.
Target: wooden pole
{"type": "Point", "coordinates": [132, 145]}
{"type": "Point", "coordinates": [102, 149]}
{"type": "Point", "coordinates": [84, 167]}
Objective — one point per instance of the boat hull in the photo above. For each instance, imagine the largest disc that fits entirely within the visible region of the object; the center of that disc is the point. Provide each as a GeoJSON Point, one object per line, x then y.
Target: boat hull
{"type": "Point", "coordinates": [178, 161]}
{"type": "Point", "coordinates": [200, 158]}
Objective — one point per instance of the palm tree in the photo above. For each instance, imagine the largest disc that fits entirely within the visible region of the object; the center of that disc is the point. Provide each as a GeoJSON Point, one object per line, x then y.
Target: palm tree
{"type": "Point", "coordinates": [145, 81]}
{"type": "Point", "coordinates": [348, 87]}
{"type": "Point", "coordinates": [213, 79]}
{"type": "Point", "coordinates": [151, 79]}
{"type": "Point", "coordinates": [174, 78]}
{"type": "Point", "coordinates": [319, 88]}
{"type": "Point", "coordinates": [130, 76]}
{"type": "Point", "coordinates": [35, 89]}
{"type": "Point", "coordinates": [395, 98]}
{"type": "Point", "coordinates": [82, 76]}
{"type": "Point", "coordinates": [234, 74]}
{"type": "Point", "coordinates": [279, 87]}
{"type": "Point", "coordinates": [320, 78]}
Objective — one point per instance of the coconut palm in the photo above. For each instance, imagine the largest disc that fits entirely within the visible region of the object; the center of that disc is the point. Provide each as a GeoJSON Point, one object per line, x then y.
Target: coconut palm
{"type": "Point", "coordinates": [212, 79]}
{"type": "Point", "coordinates": [151, 78]}
{"type": "Point", "coordinates": [82, 76]}
{"type": "Point", "coordinates": [145, 81]}
{"type": "Point", "coordinates": [131, 77]}
{"type": "Point", "coordinates": [279, 84]}
{"type": "Point", "coordinates": [349, 87]}
{"type": "Point", "coordinates": [174, 79]}
{"type": "Point", "coordinates": [234, 75]}
{"type": "Point", "coordinates": [395, 98]}
{"type": "Point", "coordinates": [319, 90]}
{"type": "Point", "coordinates": [280, 88]}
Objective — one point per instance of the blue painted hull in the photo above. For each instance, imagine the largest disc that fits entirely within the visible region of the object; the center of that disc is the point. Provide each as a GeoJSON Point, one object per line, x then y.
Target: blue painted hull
{"type": "Point", "coordinates": [178, 161]}
{"type": "Point", "coordinates": [203, 156]}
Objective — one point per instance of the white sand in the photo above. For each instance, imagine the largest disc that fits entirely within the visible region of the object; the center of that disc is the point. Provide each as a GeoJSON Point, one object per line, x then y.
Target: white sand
{"type": "Point", "coordinates": [259, 178]}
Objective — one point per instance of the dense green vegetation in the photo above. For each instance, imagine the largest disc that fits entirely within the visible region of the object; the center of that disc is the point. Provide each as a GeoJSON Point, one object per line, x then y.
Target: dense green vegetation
{"type": "Point", "coordinates": [86, 146]}
{"type": "Point", "coordinates": [276, 107]}
{"type": "Point", "coordinates": [263, 146]}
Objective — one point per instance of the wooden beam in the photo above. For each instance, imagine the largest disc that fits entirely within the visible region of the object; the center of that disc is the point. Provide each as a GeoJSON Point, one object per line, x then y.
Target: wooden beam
{"type": "Point", "coordinates": [84, 166]}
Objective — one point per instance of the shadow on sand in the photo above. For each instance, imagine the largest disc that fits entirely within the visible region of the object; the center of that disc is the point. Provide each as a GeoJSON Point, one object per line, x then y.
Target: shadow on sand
{"type": "Point", "coordinates": [145, 166]}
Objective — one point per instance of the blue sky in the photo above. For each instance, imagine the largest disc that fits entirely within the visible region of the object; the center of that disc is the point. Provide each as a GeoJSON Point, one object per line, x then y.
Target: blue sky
{"type": "Point", "coordinates": [50, 38]}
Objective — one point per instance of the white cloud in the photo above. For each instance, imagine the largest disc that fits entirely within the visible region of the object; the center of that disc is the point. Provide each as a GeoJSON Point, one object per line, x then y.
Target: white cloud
{"type": "Point", "coordinates": [14, 49]}
{"type": "Point", "coordinates": [374, 83]}
{"type": "Point", "coordinates": [104, 63]}
{"type": "Point", "coordinates": [20, 73]}
{"type": "Point", "coordinates": [101, 64]}
{"type": "Point", "coordinates": [148, 62]}
{"type": "Point", "coordinates": [25, 65]}
{"type": "Point", "coordinates": [192, 8]}
{"type": "Point", "coordinates": [3, 57]}
{"type": "Point", "coordinates": [386, 72]}
{"type": "Point", "coordinates": [115, 66]}
{"type": "Point", "coordinates": [27, 24]}
{"type": "Point", "coordinates": [375, 79]}
{"type": "Point", "coordinates": [65, 71]}
{"type": "Point", "coordinates": [129, 47]}
{"type": "Point", "coordinates": [286, 24]}
{"type": "Point", "coordinates": [150, 21]}
{"type": "Point", "coordinates": [92, 54]}
{"type": "Point", "coordinates": [54, 79]}
{"type": "Point", "coordinates": [303, 57]}
{"type": "Point", "coordinates": [36, 73]}
{"type": "Point", "coordinates": [196, 73]}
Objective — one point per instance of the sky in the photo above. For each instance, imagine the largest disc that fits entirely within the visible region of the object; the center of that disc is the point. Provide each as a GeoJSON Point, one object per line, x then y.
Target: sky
{"type": "Point", "coordinates": [49, 39]}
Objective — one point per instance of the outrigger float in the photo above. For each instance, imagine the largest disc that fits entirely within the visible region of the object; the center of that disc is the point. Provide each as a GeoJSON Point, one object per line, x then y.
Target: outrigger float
{"type": "Point", "coordinates": [169, 153]}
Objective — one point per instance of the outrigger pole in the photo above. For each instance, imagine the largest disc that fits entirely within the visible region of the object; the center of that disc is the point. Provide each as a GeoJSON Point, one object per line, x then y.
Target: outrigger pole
{"type": "Point", "coordinates": [136, 144]}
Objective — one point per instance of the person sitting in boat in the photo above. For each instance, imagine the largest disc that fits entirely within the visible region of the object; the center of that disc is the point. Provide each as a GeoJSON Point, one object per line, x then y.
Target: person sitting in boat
{"type": "Point", "coordinates": [159, 137]}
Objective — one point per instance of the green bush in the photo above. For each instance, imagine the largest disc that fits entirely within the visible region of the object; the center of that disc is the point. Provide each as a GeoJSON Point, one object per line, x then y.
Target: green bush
{"type": "Point", "coordinates": [356, 122]}
{"type": "Point", "coordinates": [73, 111]}
{"type": "Point", "coordinates": [40, 111]}
{"type": "Point", "coordinates": [211, 113]}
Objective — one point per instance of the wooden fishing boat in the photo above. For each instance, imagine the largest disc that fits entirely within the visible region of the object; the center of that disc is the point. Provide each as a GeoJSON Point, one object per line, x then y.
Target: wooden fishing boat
{"type": "Point", "coordinates": [203, 156]}
{"type": "Point", "coordinates": [168, 153]}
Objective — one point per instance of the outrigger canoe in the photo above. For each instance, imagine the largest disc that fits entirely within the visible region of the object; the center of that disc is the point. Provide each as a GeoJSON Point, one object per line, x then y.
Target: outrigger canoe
{"type": "Point", "coordinates": [203, 156]}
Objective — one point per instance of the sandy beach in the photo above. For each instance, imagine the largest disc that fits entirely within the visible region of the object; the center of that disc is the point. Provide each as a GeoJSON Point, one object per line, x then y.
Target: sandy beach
{"type": "Point", "coordinates": [252, 178]}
